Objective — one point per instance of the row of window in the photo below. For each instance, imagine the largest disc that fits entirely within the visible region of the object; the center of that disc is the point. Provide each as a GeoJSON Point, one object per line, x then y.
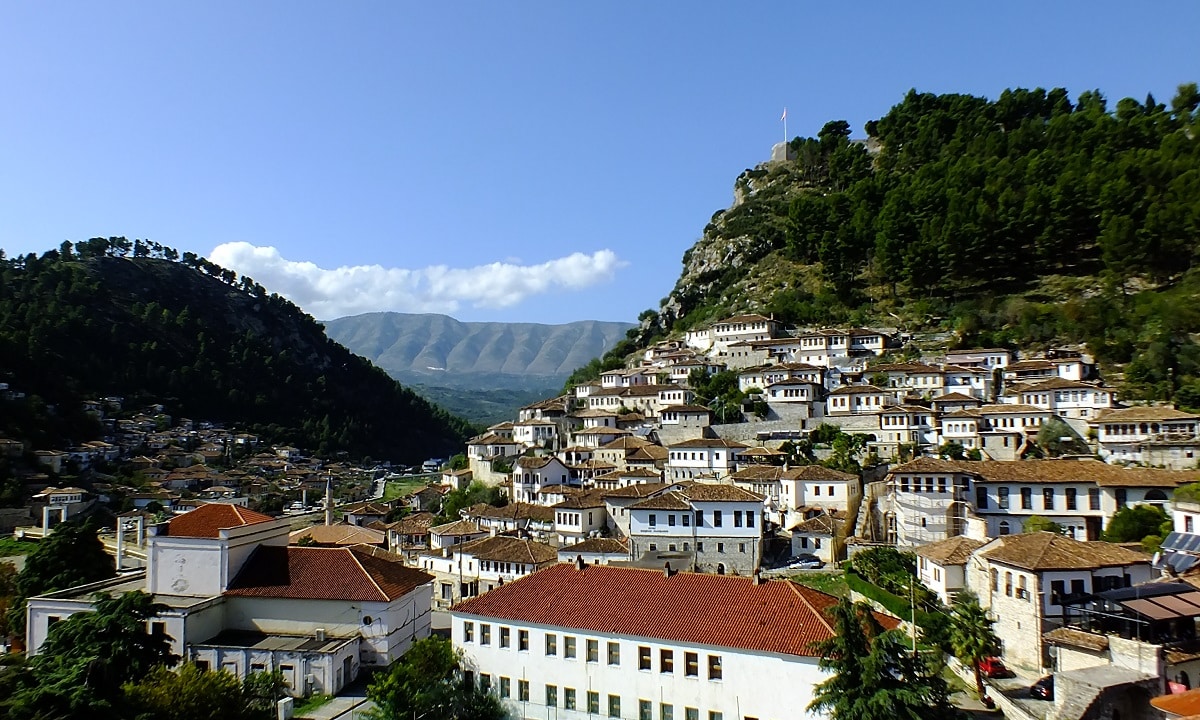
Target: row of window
{"type": "Point", "coordinates": [672, 547]}
{"type": "Point", "coordinates": [666, 657]}
{"type": "Point", "coordinates": [681, 455]}
{"type": "Point", "coordinates": [718, 519]}
{"type": "Point", "coordinates": [1048, 494]}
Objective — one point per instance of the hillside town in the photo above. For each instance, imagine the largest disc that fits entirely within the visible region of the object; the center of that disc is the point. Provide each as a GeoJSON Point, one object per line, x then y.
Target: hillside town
{"type": "Point", "coordinates": [619, 520]}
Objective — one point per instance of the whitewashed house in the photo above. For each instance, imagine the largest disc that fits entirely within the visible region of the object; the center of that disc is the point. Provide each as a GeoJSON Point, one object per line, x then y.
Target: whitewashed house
{"type": "Point", "coordinates": [580, 641]}
{"type": "Point", "coordinates": [482, 565]}
{"type": "Point", "coordinates": [532, 475]}
{"type": "Point", "coordinates": [1150, 435]}
{"type": "Point", "coordinates": [720, 525]}
{"type": "Point", "coordinates": [691, 459]}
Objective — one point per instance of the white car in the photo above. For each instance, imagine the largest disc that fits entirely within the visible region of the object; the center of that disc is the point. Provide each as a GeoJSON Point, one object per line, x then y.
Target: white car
{"type": "Point", "coordinates": [805, 562]}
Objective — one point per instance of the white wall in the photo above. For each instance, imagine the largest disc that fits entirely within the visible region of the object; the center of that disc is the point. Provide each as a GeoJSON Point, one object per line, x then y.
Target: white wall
{"type": "Point", "coordinates": [759, 685]}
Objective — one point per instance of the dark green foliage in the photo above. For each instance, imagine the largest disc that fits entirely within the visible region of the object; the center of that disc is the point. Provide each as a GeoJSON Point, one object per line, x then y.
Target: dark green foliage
{"type": "Point", "coordinates": [429, 682]}
{"type": "Point", "coordinates": [971, 635]}
{"type": "Point", "coordinates": [71, 555]}
{"type": "Point", "coordinates": [193, 336]}
{"type": "Point", "coordinates": [454, 502]}
{"type": "Point", "coordinates": [1039, 523]}
{"type": "Point", "coordinates": [1022, 221]}
{"type": "Point", "coordinates": [188, 694]}
{"type": "Point", "coordinates": [1056, 438]}
{"type": "Point", "coordinates": [85, 660]}
{"type": "Point", "coordinates": [874, 675]}
{"type": "Point", "coordinates": [1133, 523]}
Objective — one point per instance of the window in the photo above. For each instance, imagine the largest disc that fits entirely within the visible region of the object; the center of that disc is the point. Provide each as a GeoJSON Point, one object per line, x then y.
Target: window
{"type": "Point", "coordinates": [1026, 498]}
{"type": "Point", "coordinates": [1056, 591]}
{"type": "Point", "coordinates": [257, 667]}
{"type": "Point", "coordinates": [691, 714]}
{"type": "Point", "coordinates": [699, 547]}
{"type": "Point", "coordinates": [614, 653]}
{"type": "Point", "coordinates": [1071, 498]}
{"type": "Point", "coordinates": [1077, 587]}
{"type": "Point", "coordinates": [523, 690]}
{"type": "Point", "coordinates": [671, 520]}
{"type": "Point", "coordinates": [666, 712]}
{"type": "Point", "coordinates": [504, 637]}
{"type": "Point", "coordinates": [714, 715]}
{"type": "Point", "coordinates": [720, 547]}
{"type": "Point", "coordinates": [995, 580]}
{"type": "Point", "coordinates": [485, 634]}
{"type": "Point", "coordinates": [699, 518]}
{"type": "Point", "coordinates": [687, 519]}
{"type": "Point", "coordinates": [551, 696]}
{"type": "Point", "coordinates": [1002, 498]}
{"type": "Point", "coordinates": [551, 644]}
{"type": "Point", "coordinates": [485, 682]}
{"type": "Point", "coordinates": [593, 650]}
{"type": "Point", "coordinates": [614, 706]}
{"type": "Point", "coordinates": [691, 664]}
{"type": "Point", "coordinates": [569, 646]}
{"type": "Point", "coordinates": [1004, 528]}
{"type": "Point", "coordinates": [1093, 498]}
{"type": "Point", "coordinates": [569, 698]}
{"type": "Point", "coordinates": [653, 520]}
{"type": "Point", "coordinates": [714, 667]}
{"type": "Point", "coordinates": [716, 518]}
{"type": "Point", "coordinates": [468, 632]}
{"type": "Point", "coordinates": [643, 657]}
{"type": "Point", "coordinates": [737, 518]}
{"type": "Point", "coordinates": [1047, 498]}
{"type": "Point", "coordinates": [749, 518]}
{"type": "Point", "coordinates": [666, 661]}
{"type": "Point", "coordinates": [593, 702]}
{"type": "Point", "coordinates": [1008, 586]}
{"type": "Point", "coordinates": [1187, 523]}
{"type": "Point", "coordinates": [645, 710]}
{"type": "Point", "coordinates": [523, 640]}
{"type": "Point", "coordinates": [1121, 497]}
{"type": "Point", "coordinates": [505, 687]}
{"type": "Point", "coordinates": [1022, 590]}
{"type": "Point", "coordinates": [981, 498]}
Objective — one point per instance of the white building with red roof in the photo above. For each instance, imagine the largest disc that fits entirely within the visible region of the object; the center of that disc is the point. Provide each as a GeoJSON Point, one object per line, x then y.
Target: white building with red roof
{"type": "Point", "coordinates": [578, 640]}
{"type": "Point", "coordinates": [239, 598]}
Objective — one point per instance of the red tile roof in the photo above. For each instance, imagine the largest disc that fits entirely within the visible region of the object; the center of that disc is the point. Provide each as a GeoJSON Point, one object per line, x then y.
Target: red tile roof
{"type": "Point", "coordinates": [776, 616]}
{"type": "Point", "coordinates": [312, 573]}
{"type": "Point", "coordinates": [208, 520]}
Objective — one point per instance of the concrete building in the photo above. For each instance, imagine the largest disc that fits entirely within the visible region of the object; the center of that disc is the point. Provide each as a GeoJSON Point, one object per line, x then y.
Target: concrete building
{"type": "Point", "coordinates": [721, 524]}
{"type": "Point", "coordinates": [585, 641]}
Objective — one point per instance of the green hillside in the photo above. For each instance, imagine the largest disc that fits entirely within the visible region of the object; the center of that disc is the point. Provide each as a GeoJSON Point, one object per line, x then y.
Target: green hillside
{"type": "Point", "coordinates": [114, 317]}
{"type": "Point", "coordinates": [1025, 221]}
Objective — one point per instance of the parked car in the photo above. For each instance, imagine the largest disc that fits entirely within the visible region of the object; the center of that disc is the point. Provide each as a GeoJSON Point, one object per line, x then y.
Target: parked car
{"type": "Point", "coordinates": [805, 562]}
{"type": "Point", "coordinates": [1043, 689]}
{"type": "Point", "coordinates": [994, 667]}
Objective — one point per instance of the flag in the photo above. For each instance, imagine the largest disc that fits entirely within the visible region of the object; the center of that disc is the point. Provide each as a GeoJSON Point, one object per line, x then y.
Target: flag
{"type": "Point", "coordinates": [784, 116]}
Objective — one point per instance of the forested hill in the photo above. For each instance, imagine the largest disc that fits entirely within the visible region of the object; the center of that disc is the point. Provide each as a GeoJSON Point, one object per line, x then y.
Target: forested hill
{"type": "Point", "coordinates": [1028, 220]}
{"type": "Point", "coordinates": [114, 317]}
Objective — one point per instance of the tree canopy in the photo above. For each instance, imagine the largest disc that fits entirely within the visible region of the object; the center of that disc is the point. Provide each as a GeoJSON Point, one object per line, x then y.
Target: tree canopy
{"type": "Point", "coordinates": [971, 635]}
{"type": "Point", "coordinates": [873, 674]}
{"type": "Point", "coordinates": [1134, 523]}
{"type": "Point", "coordinates": [70, 555]}
{"type": "Point", "coordinates": [429, 682]}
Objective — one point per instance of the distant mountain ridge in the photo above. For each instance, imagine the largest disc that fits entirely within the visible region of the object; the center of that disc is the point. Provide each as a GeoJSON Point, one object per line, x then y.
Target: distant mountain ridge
{"type": "Point", "coordinates": [437, 350]}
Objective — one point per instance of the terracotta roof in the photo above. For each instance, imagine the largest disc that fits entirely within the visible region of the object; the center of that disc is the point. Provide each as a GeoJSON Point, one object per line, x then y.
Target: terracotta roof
{"type": "Point", "coordinates": [1004, 408]}
{"type": "Point", "coordinates": [649, 453]}
{"type": "Point", "coordinates": [637, 490]}
{"type": "Point", "coordinates": [511, 511]}
{"type": "Point", "coordinates": [856, 390]}
{"type": "Point", "coordinates": [666, 501]}
{"type": "Point", "coordinates": [712, 492]}
{"type": "Point", "coordinates": [1057, 383]}
{"type": "Point", "coordinates": [951, 551]}
{"type": "Point", "coordinates": [629, 442]}
{"type": "Point", "coordinates": [709, 443]}
{"type": "Point", "coordinates": [799, 472]}
{"type": "Point", "coordinates": [415, 524]}
{"type": "Point", "coordinates": [822, 524]}
{"type": "Point", "coordinates": [932, 465]}
{"type": "Point", "coordinates": [1085, 471]}
{"type": "Point", "coordinates": [1140, 414]}
{"type": "Point", "coordinates": [593, 413]}
{"type": "Point", "coordinates": [1051, 551]}
{"type": "Point", "coordinates": [1184, 704]}
{"type": "Point", "coordinates": [366, 508]}
{"type": "Point", "coordinates": [776, 616]}
{"type": "Point", "coordinates": [1077, 638]}
{"type": "Point", "coordinates": [761, 451]}
{"type": "Point", "coordinates": [208, 520]}
{"type": "Point", "coordinates": [340, 534]}
{"type": "Point", "coordinates": [752, 318]}
{"type": "Point", "coordinates": [601, 430]}
{"type": "Point", "coordinates": [956, 397]}
{"type": "Point", "coordinates": [907, 367]}
{"type": "Point", "coordinates": [583, 500]}
{"type": "Point", "coordinates": [310, 573]}
{"type": "Point", "coordinates": [504, 548]}
{"type": "Point", "coordinates": [533, 463]}
{"type": "Point", "coordinates": [458, 527]}
{"type": "Point", "coordinates": [687, 409]}
{"type": "Point", "coordinates": [606, 546]}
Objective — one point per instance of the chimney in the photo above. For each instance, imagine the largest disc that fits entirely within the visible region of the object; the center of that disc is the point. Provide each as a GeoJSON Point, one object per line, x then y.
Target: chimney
{"type": "Point", "coordinates": [579, 563]}
{"type": "Point", "coordinates": [495, 530]}
{"type": "Point", "coordinates": [667, 571]}
{"type": "Point", "coordinates": [758, 577]}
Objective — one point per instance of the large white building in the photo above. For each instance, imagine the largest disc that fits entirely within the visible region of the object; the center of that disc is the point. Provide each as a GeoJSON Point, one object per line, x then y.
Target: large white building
{"type": "Point", "coordinates": [586, 641]}
{"type": "Point", "coordinates": [239, 598]}
{"type": "Point", "coordinates": [720, 525]}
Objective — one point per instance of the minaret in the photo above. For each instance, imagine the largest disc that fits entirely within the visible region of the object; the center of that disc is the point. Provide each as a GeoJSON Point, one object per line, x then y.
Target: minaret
{"type": "Point", "coordinates": [328, 500]}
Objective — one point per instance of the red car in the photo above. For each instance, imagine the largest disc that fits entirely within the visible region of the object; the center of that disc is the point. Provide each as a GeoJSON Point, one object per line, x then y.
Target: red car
{"type": "Point", "coordinates": [993, 667]}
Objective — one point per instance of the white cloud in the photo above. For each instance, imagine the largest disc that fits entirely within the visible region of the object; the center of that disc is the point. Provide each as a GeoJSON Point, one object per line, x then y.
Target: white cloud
{"type": "Point", "coordinates": [350, 290]}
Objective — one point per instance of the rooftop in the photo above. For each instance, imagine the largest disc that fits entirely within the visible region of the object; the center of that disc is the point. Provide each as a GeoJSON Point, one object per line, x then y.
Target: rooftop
{"type": "Point", "coordinates": [1051, 551]}
{"type": "Point", "coordinates": [352, 574]}
{"type": "Point", "coordinates": [775, 616]}
{"type": "Point", "coordinates": [207, 521]}
{"type": "Point", "coordinates": [951, 551]}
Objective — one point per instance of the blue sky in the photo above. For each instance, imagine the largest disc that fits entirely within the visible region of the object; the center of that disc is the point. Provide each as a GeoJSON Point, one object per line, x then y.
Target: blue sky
{"type": "Point", "coordinates": [523, 161]}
